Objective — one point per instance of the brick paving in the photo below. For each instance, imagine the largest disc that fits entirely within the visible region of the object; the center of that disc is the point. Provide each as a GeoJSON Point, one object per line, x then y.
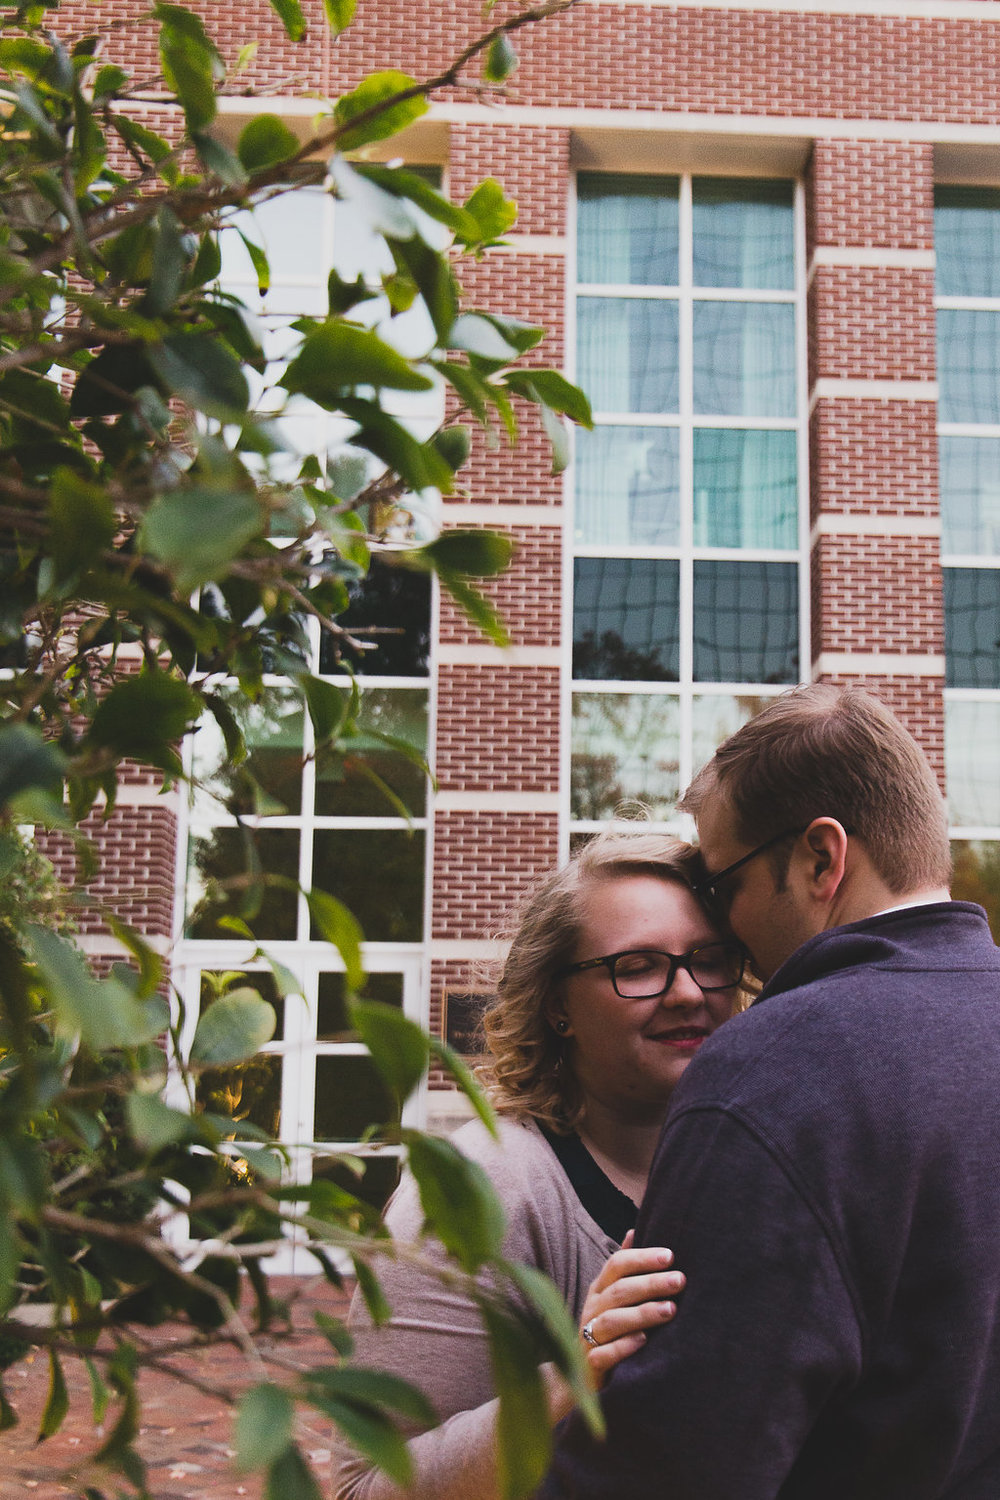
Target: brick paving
{"type": "Point", "coordinates": [186, 1435]}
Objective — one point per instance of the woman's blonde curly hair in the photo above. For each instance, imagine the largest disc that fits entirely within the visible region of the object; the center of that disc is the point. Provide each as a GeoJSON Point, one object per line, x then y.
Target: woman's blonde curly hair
{"type": "Point", "coordinates": [525, 1073]}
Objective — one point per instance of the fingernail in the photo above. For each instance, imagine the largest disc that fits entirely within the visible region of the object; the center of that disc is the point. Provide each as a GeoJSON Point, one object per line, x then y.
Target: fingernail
{"type": "Point", "coordinates": [667, 1310]}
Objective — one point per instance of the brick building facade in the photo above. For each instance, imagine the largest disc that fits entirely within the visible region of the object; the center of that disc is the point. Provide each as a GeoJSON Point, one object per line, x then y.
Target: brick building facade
{"type": "Point", "coordinates": [763, 237]}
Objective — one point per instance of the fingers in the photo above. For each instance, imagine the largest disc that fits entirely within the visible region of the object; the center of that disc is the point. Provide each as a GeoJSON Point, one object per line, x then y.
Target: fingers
{"type": "Point", "coordinates": [620, 1332]}
{"type": "Point", "coordinates": [628, 1263]}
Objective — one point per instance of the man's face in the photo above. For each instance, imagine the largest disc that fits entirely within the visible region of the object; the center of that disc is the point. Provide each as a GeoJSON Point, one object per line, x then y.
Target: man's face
{"type": "Point", "coordinates": [771, 922]}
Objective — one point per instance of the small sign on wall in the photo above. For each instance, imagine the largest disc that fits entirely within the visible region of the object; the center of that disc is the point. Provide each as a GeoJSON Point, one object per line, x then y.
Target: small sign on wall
{"type": "Point", "coordinates": [462, 1019]}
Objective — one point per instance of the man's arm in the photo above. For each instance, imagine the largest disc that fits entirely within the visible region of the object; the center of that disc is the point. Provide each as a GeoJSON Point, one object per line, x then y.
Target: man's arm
{"type": "Point", "coordinates": [718, 1405]}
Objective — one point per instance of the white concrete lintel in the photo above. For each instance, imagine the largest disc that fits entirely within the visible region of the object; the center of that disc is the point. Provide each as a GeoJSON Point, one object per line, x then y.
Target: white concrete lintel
{"type": "Point", "coordinates": [458, 655]}
{"type": "Point", "coordinates": [833, 523]}
{"type": "Point", "coordinates": [873, 390]}
{"type": "Point", "coordinates": [876, 664]}
{"type": "Point", "coordinates": [504, 802]}
{"type": "Point", "coordinates": [478, 513]}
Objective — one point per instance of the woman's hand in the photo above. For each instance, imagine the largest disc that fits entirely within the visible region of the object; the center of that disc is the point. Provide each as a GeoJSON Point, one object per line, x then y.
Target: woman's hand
{"type": "Point", "coordinates": [632, 1293]}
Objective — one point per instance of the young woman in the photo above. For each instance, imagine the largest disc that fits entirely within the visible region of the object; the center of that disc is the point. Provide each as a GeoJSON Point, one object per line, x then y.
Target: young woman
{"type": "Point", "coordinates": [615, 976]}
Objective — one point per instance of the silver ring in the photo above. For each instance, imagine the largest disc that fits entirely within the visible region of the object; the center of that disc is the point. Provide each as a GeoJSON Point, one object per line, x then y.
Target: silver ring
{"type": "Point", "coordinates": [588, 1334]}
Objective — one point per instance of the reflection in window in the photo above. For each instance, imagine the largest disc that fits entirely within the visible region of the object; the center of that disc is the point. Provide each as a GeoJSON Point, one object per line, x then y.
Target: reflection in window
{"type": "Point", "coordinates": [269, 780]}
{"type": "Point", "coordinates": [968, 359]}
{"type": "Point", "coordinates": [242, 873]}
{"type": "Point", "coordinates": [976, 876]}
{"type": "Point", "coordinates": [967, 241]}
{"type": "Point", "coordinates": [627, 354]}
{"type": "Point", "coordinates": [332, 1023]}
{"type": "Point", "coordinates": [375, 1186]}
{"type": "Point", "coordinates": [715, 717]}
{"type": "Point", "coordinates": [972, 627]}
{"type": "Point", "coordinates": [362, 776]}
{"type": "Point", "coordinates": [248, 1092]}
{"type": "Point", "coordinates": [625, 619]}
{"type": "Point", "coordinates": [628, 486]}
{"type": "Point", "coordinates": [745, 488]}
{"type": "Point", "coordinates": [350, 1096]}
{"type": "Point", "coordinates": [744, 359]}
{"type": "Point", "coordinates": [970, 494]}
{"type": "Point", "coordinates": [743, 233]}
{"type": "Point", "coordinates": [390, 613]}
{"type": "Point", "coordinates": [379, 874]}
{"type": "Point", "coordinates": [627, 229]}
{"type": "Point", "coordinates": [746, 622]}
{"type": "Point", "coordinates": [625, 747]}
{"type": "Point", "coordinates": [972, 751]}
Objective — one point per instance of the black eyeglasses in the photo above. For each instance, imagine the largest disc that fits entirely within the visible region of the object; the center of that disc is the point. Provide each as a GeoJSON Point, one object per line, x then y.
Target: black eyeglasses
{"type": "Point", "coordinates": [710, 885]}
{"type": "Point", "coordinates": [642, 974]}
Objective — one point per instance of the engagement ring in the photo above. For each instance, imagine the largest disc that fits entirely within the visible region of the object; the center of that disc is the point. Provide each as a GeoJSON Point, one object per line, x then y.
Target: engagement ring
{"type": "Point", "coordinates": [588, 1333]}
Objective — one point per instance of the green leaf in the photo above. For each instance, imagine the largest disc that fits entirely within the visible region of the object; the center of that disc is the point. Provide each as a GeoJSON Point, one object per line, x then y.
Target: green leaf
{"type": "Point", "coordinates": [83, 523]}
{"type": "Point", "coordinates": [290, 1478]}
{"type": "Point", "coordinates": [454, 445]}
{"type": "Point", "coordinates": [419, 465]}
{"type": "Point", "coordinates": [89, 150]}
{"type": "Point", "coordinates": [100, 1393]}
{"type": "Point", "coordinates": [56, 1401]}
{"type": "Point", "coordinates": [265, 1426]}
{"type": "Point", "coordinates": [524, 1433]}
{"type": "Point", "coordinates": [376, 92]}
{"type": "Point", "coordinates": [494, 212]}
{"type": "Point", "coordinates": [102, 1012]}
{"type": "Point", "coordinates": [339, 926]}
{"type": "Point", "coordinates": [148, 143]}
{"type": "Point", "coordinates": [336, 1333]}
{"type": "Point", "coordinates": [172, 253]}
{"type": "Point", "coordinates": [476, 334]}
{"type": "Point", "coordinates": [259, 261]}
{"type": "Point", "coordinates": [399, 1047]}
{"type": "Point", "coordinates": [26, 760]}
{"type": "Point", "coordinates": [560, 1328]}
{"type": "Point", "coordinates": [150, 962]}
{"type": "Point", "coordinates": [329, 706]}
{"type": "Point", "coordinates": [196, 532]}
{"type": "Point", "coordinates": [291, 15]}
{"type": "Point", "coordinates": [8, 1416]}
{"type": "Point", "coordinates": [337, 356]}
{"type": "Point", "coordinates": [459, 1204]}
{"type": "Point", "coordinates": [501, 59]}
{"type": "Point", "coordinates": [558, 437]}
{"type": "Point", "coordinates": [434, 279]}
{"type": "Point", "coordinates": [554, 390]}
{"type": "Point", "coordinates": [467, 1082]}
{"type": "Point", "coordinates": [199, 369]}
{"type": "Point", "coordinates": [233, 1029]}
{"type": "Point", "coordinates": [476, 607]}
{"type": "Point", "coordinates": [190, 62]}
{"type": "Point", "coordinates": [371, 1292]}
{"type": "Point", "coordinates": [110, 80]}
{"type": "Point", "coordinates": [339, 14]}
{"type": "Point", "coordinates": [375, 1388]}
{"type": "Point", "coordinates": [404, 184]}
{"type": "Point", "coordinates": [153, 1125]}
{"type": "Point", "coordinates": [142, 716]}
{"type": "Point", "coordinates": [266, 141]}
{"type": "Point", "coordinates": [482, 554]}
{"type": "Point", "coordinates": [216, 157]}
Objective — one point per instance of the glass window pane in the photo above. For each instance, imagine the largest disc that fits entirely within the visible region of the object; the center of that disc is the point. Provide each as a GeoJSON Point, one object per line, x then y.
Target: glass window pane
{"type": "Point", "coordinates": [390, 611]}
{"type": "Point", "coordinates": [972, 752]}
{"type": "Point", "coordinates": [332, 1023]}
{"type": "Point", "coordinates": [627, 353]}
{"type": "Point", "coordinates": [745, 488]}
{"type": "Point", "coordinates": [216, 982]}
{"type": "Point", "coordinates": [269, 780]}
{"type": "Point", "coordinates": [381, 1174]}
{"type": "Point", "coordinates": [625, 747]}
{"type": "Point", "coordinates": [350, 1096]}
{"type": "Point", "coordinates": [290, 227]}
{"type": "Point", "coordinates": [746, 622]}
{"type": "Point", "coordinates": [379, 874]}
{"type": "Point", "coordinates": [715, 717]}
{"type": "Point", "coordinates": [626, 229]}
{"type": "Point", "coordinates": [972, 627]}
{"type": "Point", "coordinates": [744, 359]}
{"type": "Point", "coordinates": [968, 356]}
{"type": "Point", "coordinates": [967, 241]}
{"type": "Point", "coordinates": [344, 784]}
{"type": "Point", "coordinates": [976, 876]}
{"type": "Point", "coordinates": [743, 233]}
{"type": "Point", "coordinates": [226, 855]}
{"type": "Point", "coordinates": [625, 618]}
{"type": "Point", "coordinates": [970, 494]}
{"type": "Point", "coordinates": [628, 486]}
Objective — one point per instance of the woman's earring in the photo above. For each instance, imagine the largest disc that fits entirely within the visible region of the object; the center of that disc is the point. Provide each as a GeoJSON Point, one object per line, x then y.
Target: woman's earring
{"type": "Point", "coordinates": [562, 1026]}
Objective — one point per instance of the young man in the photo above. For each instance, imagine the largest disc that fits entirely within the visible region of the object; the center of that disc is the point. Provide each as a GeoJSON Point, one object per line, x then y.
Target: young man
{"type": "Point", "coordinates": [829, 1175]}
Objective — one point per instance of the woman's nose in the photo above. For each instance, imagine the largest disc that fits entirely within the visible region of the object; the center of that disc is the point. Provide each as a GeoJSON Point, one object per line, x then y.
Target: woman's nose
{"type": "Point", "coordinates": [683, 990]}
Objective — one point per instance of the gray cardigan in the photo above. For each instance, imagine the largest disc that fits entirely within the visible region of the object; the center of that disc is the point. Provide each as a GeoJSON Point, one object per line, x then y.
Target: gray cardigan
{"type": "Point", "coordinates": [435, 1337]}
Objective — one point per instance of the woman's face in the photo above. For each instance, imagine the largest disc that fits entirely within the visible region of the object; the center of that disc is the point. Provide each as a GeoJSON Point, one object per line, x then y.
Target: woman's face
{"type": "Point", "coordinates": [630, 1054]}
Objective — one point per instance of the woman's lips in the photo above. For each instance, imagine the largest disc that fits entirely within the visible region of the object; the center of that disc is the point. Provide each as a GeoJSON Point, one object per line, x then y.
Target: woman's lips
{"type": "Point", "coordinates": [684, 1038]}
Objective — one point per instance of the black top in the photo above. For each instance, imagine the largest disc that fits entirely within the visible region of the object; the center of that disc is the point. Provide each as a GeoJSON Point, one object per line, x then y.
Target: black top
{"type": "Point", "coordinates": [829, 1182]}
{"type": "Point", "coordinates": [606, 1204]}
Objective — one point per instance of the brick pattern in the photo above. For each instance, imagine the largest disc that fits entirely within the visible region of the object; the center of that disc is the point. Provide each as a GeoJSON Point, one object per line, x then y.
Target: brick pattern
{"type": "Point", "coordinates": [877, 594]}
{"type": "Point", "coordinates": [535, 167]}
{"type": "Point", "coordinates": [135, 878]}
{"type": "Point", "coordinates": [867, 324]}
{"type": "Point", "coordinates": [919, 704]}
{"type": "Point", "coordinates": [499, 474]}
{"type": "Point", "coordinates": [874, 458]}
{"type": "Point", "coordinates": [870, 193]}
{"type": "Point", "coordinates": [527, 595]}
{"type": "Point", "coordinates": [498, 729]}
{"type": "Point", "coordinates": [481, 862]}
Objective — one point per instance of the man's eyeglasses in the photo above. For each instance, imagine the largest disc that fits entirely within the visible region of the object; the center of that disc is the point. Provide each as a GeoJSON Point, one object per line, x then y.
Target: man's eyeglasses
{"type": "Point", "coordinates": [710, 885]}
{"type": "Point", "coordinates": [642, 974]}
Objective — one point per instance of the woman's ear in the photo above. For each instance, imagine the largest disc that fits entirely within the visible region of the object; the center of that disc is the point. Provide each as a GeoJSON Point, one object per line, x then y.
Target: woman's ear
{"type": "Point", "coordinates": [560, 1025]}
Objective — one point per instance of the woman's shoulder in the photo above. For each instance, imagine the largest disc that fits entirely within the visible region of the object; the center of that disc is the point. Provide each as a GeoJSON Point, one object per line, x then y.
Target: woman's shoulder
{"type": "Point", "coordinates": [517, 1143]}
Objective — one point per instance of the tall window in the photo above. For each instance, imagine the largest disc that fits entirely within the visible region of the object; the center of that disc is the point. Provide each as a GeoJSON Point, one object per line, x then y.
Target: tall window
{"type": "Point", "coordinates": [687, 609]}
{"type": "Point", "coordinates": [352, 823]}
{"type": "Point", "coordinates": [967, 242]}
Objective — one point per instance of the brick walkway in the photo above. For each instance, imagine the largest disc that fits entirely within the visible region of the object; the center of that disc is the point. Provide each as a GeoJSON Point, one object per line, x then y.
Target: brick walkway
{"type": "Point", "coordinates": [186, 1436]}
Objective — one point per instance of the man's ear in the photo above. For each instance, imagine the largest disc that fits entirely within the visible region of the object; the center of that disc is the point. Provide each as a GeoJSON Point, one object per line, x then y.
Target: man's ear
{"type": "Point", "coordinates": [823, 858]}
